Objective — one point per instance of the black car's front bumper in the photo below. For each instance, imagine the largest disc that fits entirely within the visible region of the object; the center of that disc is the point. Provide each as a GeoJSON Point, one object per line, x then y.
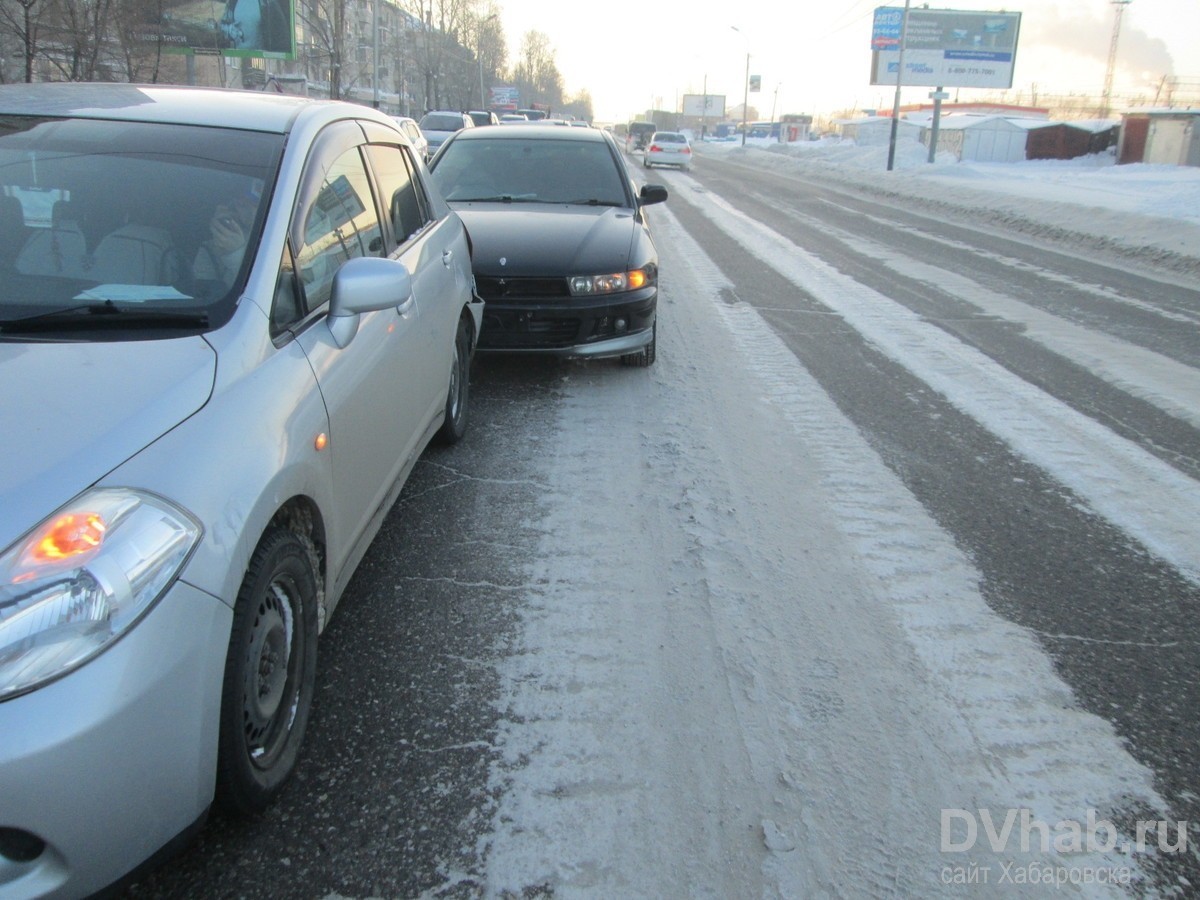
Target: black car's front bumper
{"type": "Point", "coordinates": [564, 325]}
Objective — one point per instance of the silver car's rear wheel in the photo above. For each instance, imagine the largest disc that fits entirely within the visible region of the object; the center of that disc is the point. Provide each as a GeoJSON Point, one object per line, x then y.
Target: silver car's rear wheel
{"type": "Point", "coordinates": [454, 425]}
{"type": "Point", "coordinates": [269, 672]}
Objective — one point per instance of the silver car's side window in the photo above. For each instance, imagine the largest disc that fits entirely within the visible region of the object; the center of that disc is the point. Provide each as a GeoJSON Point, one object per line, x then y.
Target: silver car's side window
{"type": "Point", "coordinates": [339, 224]}
{"type": "Point", "coordinates": [400, 190]}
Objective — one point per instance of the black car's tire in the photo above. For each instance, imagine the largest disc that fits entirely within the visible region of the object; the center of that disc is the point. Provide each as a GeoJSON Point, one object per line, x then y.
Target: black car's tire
{"type": "Point", "coordinates": [646, 356]}
{"type": "Point", "coordinates": [454, 426]}
{"type": "Point", "coordinates": [270, 671]}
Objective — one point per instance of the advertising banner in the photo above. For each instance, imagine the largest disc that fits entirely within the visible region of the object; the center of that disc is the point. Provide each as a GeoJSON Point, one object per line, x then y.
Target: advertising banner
{"type": "Point", "coordinates": [254, 28]}
{"type": "Point", "coordinates": [945, 47]}
{"type": "Point", "coordinates": [711, 106]}
{"type": "Point", "coordinates": [503, 97]}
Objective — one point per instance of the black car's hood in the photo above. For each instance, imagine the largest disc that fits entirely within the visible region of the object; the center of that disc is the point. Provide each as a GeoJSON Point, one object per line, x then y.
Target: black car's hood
{"type": "Point", "coordinates": [525, 240]}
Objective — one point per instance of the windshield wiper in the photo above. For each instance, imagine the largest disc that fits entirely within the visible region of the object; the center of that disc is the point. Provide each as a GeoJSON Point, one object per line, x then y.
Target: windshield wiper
{"type": "Point", "coordinates": [106, 314]}
{"type": "Point", "coordinates": [592, 201]}
{"type": "Point", "coordinates": [501, 198]}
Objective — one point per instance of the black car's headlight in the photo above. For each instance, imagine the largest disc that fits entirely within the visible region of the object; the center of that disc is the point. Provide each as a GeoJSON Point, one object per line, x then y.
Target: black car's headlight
{"type": "Point", "coordinates": [614, 283]}
{"type": "Point", "coordinates": [82, 578]}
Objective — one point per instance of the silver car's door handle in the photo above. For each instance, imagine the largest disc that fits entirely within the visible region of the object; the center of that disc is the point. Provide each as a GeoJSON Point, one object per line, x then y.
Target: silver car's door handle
{"type": "Point", "coordinates": [447, 255]}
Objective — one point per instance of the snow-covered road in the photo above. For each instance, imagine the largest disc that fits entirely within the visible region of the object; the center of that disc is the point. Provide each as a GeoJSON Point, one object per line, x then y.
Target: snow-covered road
{"type": "Point", "coordinates": [752, 664]}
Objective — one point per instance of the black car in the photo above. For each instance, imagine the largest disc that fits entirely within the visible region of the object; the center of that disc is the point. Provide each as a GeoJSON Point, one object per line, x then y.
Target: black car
{"type": "Point", "coordinates": [562, 251]}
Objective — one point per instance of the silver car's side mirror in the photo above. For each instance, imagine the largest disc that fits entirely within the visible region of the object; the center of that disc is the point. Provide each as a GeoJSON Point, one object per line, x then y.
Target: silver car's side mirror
{"type": "Point", "coordinates": [364, 285]}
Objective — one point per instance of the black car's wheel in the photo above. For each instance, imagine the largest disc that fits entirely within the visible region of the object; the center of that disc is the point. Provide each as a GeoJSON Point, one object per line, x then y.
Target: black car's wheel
{"type": "Point", "coordinates": [454, 426]}
{"type": "Point", "coordinates": [269, 672]}
{"type": "Point", "coordinates": [644, 357]}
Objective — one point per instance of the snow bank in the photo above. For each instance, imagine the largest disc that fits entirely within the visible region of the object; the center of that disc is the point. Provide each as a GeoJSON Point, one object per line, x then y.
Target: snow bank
{"type": "Point", "coordinates": [1146, 214]}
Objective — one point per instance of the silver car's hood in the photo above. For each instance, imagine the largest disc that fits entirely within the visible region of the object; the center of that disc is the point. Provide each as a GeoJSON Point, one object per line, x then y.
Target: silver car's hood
{"type": "Point", "coordinates": [73, 412]}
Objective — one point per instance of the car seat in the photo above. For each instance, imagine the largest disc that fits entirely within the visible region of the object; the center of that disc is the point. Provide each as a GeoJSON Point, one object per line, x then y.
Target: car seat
{"type": "Point", "coordinates": [136, 254]}
{"type": "Point", "coordinates": [60, 250]}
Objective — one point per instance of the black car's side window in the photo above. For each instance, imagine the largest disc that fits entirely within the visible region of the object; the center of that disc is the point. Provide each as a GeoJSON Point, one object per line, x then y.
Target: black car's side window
{"type": "Point", "coordinates": [339, 224]}
{"type": "Point", "coordinates": [400, 190]}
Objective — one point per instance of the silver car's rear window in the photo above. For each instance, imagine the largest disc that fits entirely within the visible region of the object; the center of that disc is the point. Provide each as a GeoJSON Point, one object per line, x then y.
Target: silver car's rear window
{"type": "Point", "coordinates": [436, 122]}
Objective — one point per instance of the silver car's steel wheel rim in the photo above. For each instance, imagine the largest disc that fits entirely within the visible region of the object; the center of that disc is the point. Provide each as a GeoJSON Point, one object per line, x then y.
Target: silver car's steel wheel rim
{"type": "Point", "coordinates": [269, 698]}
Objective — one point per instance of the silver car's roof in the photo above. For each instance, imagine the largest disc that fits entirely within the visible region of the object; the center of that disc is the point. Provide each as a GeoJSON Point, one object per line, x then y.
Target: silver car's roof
{"type": "Point", "coordinates": [250, 110]}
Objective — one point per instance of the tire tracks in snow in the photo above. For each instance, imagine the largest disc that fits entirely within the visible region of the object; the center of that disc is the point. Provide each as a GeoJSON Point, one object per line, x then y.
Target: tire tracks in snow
{"type": "Point", "coordinates": [754, 666]}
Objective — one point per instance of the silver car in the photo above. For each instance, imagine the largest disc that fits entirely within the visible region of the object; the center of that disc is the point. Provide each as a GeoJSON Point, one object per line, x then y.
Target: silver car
{"type": "Point", "coordinates": [437, 125]}
{"type": "Point", "coordinates": [229, 325]}
{"type": "Point", "coordinates": [413, 132]}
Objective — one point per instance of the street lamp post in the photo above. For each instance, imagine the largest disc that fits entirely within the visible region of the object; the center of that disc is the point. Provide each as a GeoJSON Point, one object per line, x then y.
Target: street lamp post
{"type": "Point", "coordinates": [375, 51]}
{"type": "Point", "coordinates": [483, 104]}
{"type": "Point", "coordinates": [745, 84]}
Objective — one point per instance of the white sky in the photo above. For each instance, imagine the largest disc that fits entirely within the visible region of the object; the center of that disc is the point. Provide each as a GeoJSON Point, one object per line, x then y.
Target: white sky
{"type": "Point", "coordinates": [631, 55]}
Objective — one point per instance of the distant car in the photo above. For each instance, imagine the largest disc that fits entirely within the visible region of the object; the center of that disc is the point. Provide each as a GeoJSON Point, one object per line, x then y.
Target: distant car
{"type": "Point", "coordinates": [637, 134]}
{"type": "Point", "coordinates": [483, 117]}
{"type": "Point", "coordinates": [202, 437]}
{"type": "Point", "coordinates": [562, 249]}
{"type": "Point", "coordinates": [513, 117]}
{"type": "Point", "coordinates": [438, 125]}
{"type": "Point", "coordinates": [667, 148]}
{"type": "Point", "coordinates": [412, 131]}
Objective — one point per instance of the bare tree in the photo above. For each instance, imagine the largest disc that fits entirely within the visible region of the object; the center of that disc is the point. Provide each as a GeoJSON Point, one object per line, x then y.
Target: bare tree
{"type": "Point", "coordinates": [324, 23]}
{"type": "Point", "coordinates": [136, 28]}
{"type": "Point", "coordinates": [536, 74]}
{"type": "Point", "coordinates": [445, 62]}
{"type": "Point", "coordinates": [74, 38]}
{"type": "Point", "coordinates": [20, 21]}
{"type": "Point", "coordinates": [491, 52]}
{"type": "Point", "coordinates": [579, 105]}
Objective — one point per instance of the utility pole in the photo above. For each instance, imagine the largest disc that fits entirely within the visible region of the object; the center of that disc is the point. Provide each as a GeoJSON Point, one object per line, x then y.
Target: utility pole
{"type": "Point", "coordinates": [899, 81]}
{"type": "Point", "coordinates": [745, 84]}
{"type": "Point", "coordinates": [745, 98]}
{"type": "Point", "coordinates": [1112, 57]}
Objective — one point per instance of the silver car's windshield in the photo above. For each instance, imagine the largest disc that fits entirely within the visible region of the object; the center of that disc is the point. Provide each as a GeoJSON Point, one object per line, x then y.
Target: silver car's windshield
{"type": "Point", "coordinates": [147, 225]}
{"type": "Point", "coordinates": [538, 169]}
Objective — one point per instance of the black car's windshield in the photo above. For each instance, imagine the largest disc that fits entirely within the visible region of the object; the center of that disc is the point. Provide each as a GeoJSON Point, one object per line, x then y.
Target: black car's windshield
{"type": "Point", "coordinates": [131, 216]}
{"type": "Point", "coordinates": [544, 170]}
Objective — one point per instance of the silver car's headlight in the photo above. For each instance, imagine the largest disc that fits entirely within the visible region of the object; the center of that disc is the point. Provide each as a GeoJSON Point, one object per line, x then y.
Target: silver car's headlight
{"type": "Point", "coordinates": [82, 578]}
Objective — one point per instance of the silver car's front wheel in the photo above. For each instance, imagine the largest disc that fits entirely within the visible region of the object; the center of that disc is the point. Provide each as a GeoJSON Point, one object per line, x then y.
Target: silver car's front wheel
{"type": "Point", "coordinates": [270, 671]}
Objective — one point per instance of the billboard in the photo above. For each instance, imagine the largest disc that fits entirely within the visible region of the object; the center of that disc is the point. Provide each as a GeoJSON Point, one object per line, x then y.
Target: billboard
{"type": "Point", "coordinates": [503, 97]}
{"type": "Point", "coordinates": [704, 105]}
{"type": "Point", "coordinates": [945, 47]}
{"type": "Point", "coordinates": [261, 28]}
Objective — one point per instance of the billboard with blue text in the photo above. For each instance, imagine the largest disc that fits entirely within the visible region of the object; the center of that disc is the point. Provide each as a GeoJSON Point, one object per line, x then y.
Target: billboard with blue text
{"type": "Point", "coordinates": [944, 47]}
